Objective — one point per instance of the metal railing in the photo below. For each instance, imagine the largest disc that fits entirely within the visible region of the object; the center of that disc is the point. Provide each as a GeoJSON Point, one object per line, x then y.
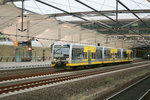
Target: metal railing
{"type": "Point", "coordinates": [7, 58]}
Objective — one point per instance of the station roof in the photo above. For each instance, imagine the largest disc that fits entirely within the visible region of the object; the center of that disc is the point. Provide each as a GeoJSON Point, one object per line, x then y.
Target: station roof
{"type": "Point", "coordinates": [88, 8]}
{"type": "Point", "coordinates": [46, 22]}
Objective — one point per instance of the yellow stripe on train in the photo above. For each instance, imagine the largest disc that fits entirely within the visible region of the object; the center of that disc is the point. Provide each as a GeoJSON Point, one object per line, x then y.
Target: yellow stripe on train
{"type": "Point", "coordinates": [77, 64]}
{"type": "Point", "coordinates": [99, 62]}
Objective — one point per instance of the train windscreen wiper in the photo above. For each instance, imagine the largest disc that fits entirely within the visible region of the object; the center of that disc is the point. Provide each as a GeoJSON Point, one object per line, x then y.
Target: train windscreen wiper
{"type": "Point", "coordinates": [58, 50]}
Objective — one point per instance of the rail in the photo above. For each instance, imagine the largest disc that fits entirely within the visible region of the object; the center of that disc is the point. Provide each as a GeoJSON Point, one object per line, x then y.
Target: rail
{"type": "Point", "coordinates": [130, 92]}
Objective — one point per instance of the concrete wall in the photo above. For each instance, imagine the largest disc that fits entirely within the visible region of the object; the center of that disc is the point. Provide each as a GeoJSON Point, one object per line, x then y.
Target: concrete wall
{"type": "Point", "coordinates": [8, 52]}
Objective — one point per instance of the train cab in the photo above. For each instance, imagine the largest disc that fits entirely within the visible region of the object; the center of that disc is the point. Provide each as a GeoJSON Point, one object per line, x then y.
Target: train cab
{"type": "Point", "coordinates": [60, 55]}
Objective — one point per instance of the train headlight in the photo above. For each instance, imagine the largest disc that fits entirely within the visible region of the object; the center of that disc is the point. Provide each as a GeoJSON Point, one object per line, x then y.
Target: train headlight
{"type": "Point", "coordinates": [148, 55]}
{"type": "Point", "coordinates": [67, 59]}
{"type": "Point", "coordinates": [54, 59]}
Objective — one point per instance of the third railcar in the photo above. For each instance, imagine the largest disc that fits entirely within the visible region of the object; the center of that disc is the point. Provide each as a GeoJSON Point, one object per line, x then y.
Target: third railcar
{"type": "Point", "coordinates": [73, 55]}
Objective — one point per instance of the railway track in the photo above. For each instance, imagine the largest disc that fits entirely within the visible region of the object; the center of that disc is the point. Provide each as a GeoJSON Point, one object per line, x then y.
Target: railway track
{"type": "Point", "coordinates": [30, 75]}
{"type": "Point", "coordinates": [136, 91]}
{"type": "Point", "coordinates": [115, 67]}
{"type": "Point", "coordinates": [35, 83]}
{"type": "Point", "coordinates": [17, 74]}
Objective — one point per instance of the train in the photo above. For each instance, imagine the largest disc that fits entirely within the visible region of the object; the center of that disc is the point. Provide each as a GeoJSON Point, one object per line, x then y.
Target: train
{"type": "Point", "coordinates": [147, 55]}
{"type": "Point", "coordinates": [71, 55]}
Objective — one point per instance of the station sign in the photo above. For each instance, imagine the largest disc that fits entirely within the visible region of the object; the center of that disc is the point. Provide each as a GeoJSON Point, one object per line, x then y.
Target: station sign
{"type": "Point", "coordinates": [16, 43]}
{"type": "Point", "coordinates": [24, 43]}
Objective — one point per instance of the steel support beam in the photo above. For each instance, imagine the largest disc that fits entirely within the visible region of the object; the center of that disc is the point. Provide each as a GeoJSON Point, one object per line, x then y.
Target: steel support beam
{"type": "Point", "coordinates": [94, 10]}
{"type": "Point", "coordinates": [61, 10]}
{"type": "Point", "coordinates": [107, 16]}
{"type": "Point", "coordinates": [84, 18]}
{"type": "Point", "coordinates": [104, 12]}
{"type": "Point", "coordinates": [117, 14]}
{"type": "Point", "coordinates": [133, 13]}
{"type": "Point", "coordinates": [22, 16]}
{"type": "Point", "coordinates": [76, 16]}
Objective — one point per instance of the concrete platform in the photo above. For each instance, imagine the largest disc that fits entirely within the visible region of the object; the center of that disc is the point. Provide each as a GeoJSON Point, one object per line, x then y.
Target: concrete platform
{"type": "Point", "coordinates": [23, 65]}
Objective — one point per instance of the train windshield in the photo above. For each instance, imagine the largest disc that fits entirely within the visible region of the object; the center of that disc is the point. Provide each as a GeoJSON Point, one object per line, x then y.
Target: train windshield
{"type": "Point", "coordinates": [61, 52]}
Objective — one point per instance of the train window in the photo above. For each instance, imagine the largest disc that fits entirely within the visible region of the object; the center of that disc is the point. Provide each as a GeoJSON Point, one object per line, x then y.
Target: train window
{"type": "Point", "coordinates": [93, 55]}
{"type": "Point", "coordinates": [131, 54]}
{"type": "Point", "coordinates": [98, 53]}
{"type": "Point", "coordinates": [107, 53]}
{"type": "Point", "coordinates": [85, 55]}
{"type": "Point", "coordinates": [125, 54]}
{"type": "Point", "coordinates": [118, 54]}
{"type": "Point", "coordinates": [61, 52]}
{"type": "Point", "coordinates": [77, 53]}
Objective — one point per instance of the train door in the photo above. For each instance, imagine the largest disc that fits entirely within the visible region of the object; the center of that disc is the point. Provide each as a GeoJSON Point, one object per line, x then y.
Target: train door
{"type": "Point", "coordinates": [128, 54]}
{"type": "Point", "coordinates": [113, 55]}
{"type": "Point", "coordinates": [89, 57]}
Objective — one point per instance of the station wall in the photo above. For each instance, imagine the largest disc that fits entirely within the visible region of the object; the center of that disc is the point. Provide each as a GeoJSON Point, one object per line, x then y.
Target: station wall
{"type": "Point", "coordinates": [10, 53]}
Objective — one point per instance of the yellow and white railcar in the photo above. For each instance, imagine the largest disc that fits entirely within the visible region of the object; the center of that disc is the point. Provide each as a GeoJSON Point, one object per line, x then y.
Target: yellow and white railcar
{"type": "Point", "coordinates": [74, 55]}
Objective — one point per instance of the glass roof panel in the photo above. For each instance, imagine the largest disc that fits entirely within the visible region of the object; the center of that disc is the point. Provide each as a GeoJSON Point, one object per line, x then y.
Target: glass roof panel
{"type": "Point", "coordinates": [74, 6]}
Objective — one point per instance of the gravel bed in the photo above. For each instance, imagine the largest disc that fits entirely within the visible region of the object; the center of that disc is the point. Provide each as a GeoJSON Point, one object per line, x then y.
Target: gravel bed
{"type": "Point", "coordinates": [24, 71]}
{"type": "Point", "coordinates": [87, 89]}
{"type": "Point", "coordinates": [131, 93]}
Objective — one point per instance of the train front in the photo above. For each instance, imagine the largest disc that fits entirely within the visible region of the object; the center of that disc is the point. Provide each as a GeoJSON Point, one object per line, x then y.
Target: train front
{"type": "Point", "coordinates": [60, 56]}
